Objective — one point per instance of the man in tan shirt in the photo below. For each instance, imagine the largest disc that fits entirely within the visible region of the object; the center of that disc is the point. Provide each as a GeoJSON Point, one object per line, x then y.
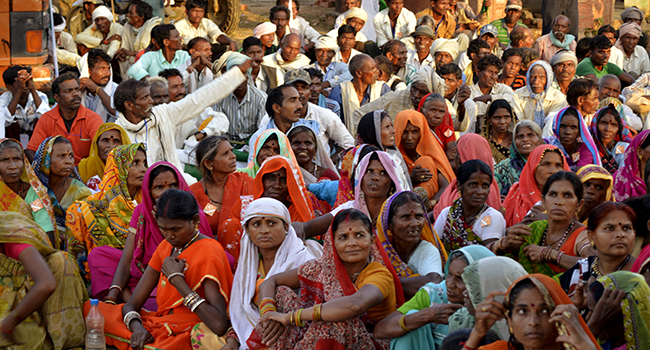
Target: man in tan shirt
{"type": "Point", "coordinates": [445, 25]}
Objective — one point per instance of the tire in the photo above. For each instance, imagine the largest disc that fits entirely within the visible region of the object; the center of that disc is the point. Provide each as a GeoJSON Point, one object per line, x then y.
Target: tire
{"type": "Point", "coordinates": [226, 14]}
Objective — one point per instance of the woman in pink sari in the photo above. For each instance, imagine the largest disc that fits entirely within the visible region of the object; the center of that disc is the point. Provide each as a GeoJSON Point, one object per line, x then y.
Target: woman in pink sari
{"type": "Point", "coordinates": [630, 180]}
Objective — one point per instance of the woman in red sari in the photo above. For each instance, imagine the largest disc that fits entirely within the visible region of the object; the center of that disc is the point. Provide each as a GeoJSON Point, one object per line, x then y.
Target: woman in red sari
{"type": "Point", "coordinates": [342, 295]}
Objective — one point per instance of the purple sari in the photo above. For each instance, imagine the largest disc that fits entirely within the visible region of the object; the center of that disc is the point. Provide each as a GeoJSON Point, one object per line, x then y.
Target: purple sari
{"type": "Point", "coordinates": [627, 180]}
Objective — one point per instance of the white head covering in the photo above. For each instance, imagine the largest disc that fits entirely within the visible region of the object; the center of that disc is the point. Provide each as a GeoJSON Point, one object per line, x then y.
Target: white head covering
{"type": "Point", "coordinates": [358, 13]}
{"type": "Point", "coordinates": [563, 56]}
{"type": "Point", "coordinates": [244, 315]}
{"type": "Point", "coordinates": [103, 11]}
{"type": "Point", "coordinates": [327, 42]}
{"type": "Point", "coordinates": [263, 29]}
{"type": "Point", "coordinates": [445, 45]}
{"type": "Point", "coordinates": [60, 27]}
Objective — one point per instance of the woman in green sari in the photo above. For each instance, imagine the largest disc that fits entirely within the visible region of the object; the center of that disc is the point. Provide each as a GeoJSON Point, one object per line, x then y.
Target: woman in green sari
{"type": "Point", "coordinates": [271, 142]}
{"type": "Point", "coordinates": [42, 293]}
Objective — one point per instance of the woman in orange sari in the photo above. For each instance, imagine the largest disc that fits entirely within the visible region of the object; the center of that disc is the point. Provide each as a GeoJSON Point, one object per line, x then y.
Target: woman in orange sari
{"type": "Point", "coordinates": [193, 288]}
{"type": "Point", "coordinates": [423, 154]}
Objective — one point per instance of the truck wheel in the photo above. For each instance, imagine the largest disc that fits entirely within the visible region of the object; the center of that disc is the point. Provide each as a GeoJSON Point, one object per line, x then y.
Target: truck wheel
{"type": "Point", "coordinates": [226, 14]}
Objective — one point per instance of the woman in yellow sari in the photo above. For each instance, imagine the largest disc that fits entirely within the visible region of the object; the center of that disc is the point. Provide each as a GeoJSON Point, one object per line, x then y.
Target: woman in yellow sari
{"type": "Point", "coordinates": [103, 219]}
{"type": "Point", "coordinates": [108, 136]}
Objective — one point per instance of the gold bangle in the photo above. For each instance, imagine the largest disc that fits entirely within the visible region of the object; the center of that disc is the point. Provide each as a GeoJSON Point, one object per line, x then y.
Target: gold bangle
{"type": "Point", "coordinates": [317, 313]}
{"type": "Point", "coordinates": [401, 324]}
{"type": "Point", "coordinates": [97, 90]}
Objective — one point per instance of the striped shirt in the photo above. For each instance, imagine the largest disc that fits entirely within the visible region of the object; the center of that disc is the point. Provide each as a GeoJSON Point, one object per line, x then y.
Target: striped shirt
{"type": "Point", "coordinates": [504, 35]}
{"type": "Point", "coordinates": [244, 117]}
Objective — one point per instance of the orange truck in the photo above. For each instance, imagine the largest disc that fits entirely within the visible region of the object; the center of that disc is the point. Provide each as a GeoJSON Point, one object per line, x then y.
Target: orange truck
{"type": "Point", "coordinates": [23, 36]}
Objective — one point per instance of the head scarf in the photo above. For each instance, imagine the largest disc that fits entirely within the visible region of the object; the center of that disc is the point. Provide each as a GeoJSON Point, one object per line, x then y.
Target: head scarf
{"type": "Point", "coordinates": [290, 255]}
{"type": "Point", "coordinates": [148, 235]}
{"type": "Point", "coordinates": [386, 238]}
{"type": "Point", "coordinates": [447, 126]}
{"type": "Point", "coordinates": [607, 159]}
{"type": "Point", "coordinates": [263, 29]}
{"type": "Point", "coordinates": [563, 56]}
{"type": "Point", "coordinates": [93, 165]}
{"type": "Point", "coordinates": [592, 171]}
{"type": "Point", "coordinates": [102, 11]}
{"type": "Point", "coordinates": [283, 143]}
{"type": "Point", "coordinates": [323, 159]}
{"type": "Point", "coordinates": [235, 59]}
{"type": "Point", "coordinates": [390, 167]}
{"type": "Point", "coordinates": [539, 115]}
{"type": "Point", "coordinates": [428, 145]}
{"type": "Point", "coordinates": [553, 295]}
{"type": "Point", "coordinates": [524, 194]}
{"type": "Point", "coordinates": [11, 201]}
{"type": "Point", "coordinates": [358, 13]}
{"type": "Point", "coordinates": [471, 146]}
{"type": "Point", "coordinates": [42, 162]}
{"type": "Point", "coordinates": [327, 42]}
{"type": "Point", "coordinates": [349, 162]}
{"type": "Point", "coordinates": [635, 306]}
{"type": "Point", "coordinates": [60, 27]}
{"type": "Point", "coordinates": [632, 12]}
{"type": "Point", "coordinates": [627, 132]}
{"type": "Point", "coordinates": [627, 28]}
{"type": "Point", "coordinates": [518, 161]}
{"type": "Point", "coordinates": [298, 194]}
{"type": "Point", "coordinates": [627, 180]}
{"type": "Point", "coordinates": [445, 45]}
{"type": "Point", "coordinates": [642, 260]}
{"type": "Point", "coordinates": [584, 137]}
{"type": "Point", "coordinates": [219, 64]}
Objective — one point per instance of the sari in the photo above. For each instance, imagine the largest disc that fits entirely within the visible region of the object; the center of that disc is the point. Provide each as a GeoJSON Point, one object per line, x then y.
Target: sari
{"type": "Point", "coordinates": [77, 191]}
{"type": "Point", "coordinates": [285, 151]}
{"type": "Point", "coordinates": [456, 233]}
{"type": "Point", "coordinates": [507, 171]}
{"type": "Point", "coordinates": [431, 154]}
{"type": "Point", "coordinates": [60, 321]}
{"type": "Point", "coordinates": [93, 165]}
{"type": "Point", "coordinates": [244, 311]}
{"type": "Point", "coordinates": [324, 280]}
{"type": "Point", "coordinates": [385, 236]}
{"type": "Point", "coordinates": [104, 218]}
{"type": "Point", "coordinates": [525, 194]}
{"type": "Point", "coordinates": [642, 260]}
{"type": "Point", "coordinates": [627, 180]}
{"type": "Point", "coordinates": [553, 295]}
{"type": "Point", "coordinates": [482, 278]}
{"type": "Point", "coordinates": [569, 247]}
{"type": "Point", "coordinates": [621, 140]}
{"type": "Point", "coordinates": [470, 146]}
{"type": "Point", "coordinates": [172, 325]}
{"type": "Point", "coordinates": [39, 207]}
{"type": "Point", "coordinates": [431, 336]}
{"type": "Point", "coordinates": [587, 151]}
{"type": "Point", "coordinates": [321, 158]}
{"type": "Point", "coordinates": [635, 306]}
{"type": "Point", "coordinates": [444, 132]}
{"type": "Point", "coordinates": [349, 162]}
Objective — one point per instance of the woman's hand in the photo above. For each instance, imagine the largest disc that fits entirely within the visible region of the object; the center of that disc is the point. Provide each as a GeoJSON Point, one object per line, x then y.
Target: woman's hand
{"type": "Point", "coordinates": [568, 315]}
{"type": "Point", "coordinates": [536, 214]}
{"type": "Point", "coordinates": [140, 337]}
{"type": "Point", "coordinates": [420, 175]}
{"type": "Point", "coordinates": [231, 344]}
{"type": "Point", "coordinates": [172, 265]}
{"type": "Point", "coordinates": [579, 297]}
{"type": "Point", "coordinates": [606, 311]}
{"type": "Point", "coordinates": [488, 313]}
{"type": "Point", "coordinates": [440, 313]}
{"type": "Point", "coordinates": [533, 252]}
{"type": "Point", "coordinates": [468, 303]}
{"type": "Point", "coordinates": [272, 329]}
{"type": "Point", "coordinates": [515, 237]}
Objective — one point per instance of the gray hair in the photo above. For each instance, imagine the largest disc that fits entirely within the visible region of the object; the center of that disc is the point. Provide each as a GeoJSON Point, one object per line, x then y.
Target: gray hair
{"type": "Point", "coordinates": [11, 144]}
{"type": "Point", "coordinates": [605, 78]}
{"type": "Point", "coordinates": [528, 124]}
{"type": "Point", "coordinates": [433, 97]}
{"type": "Point", "coordinates": [157, 81]}
{"type": "Point", "coordinates": [357, 62]}
{"type": "Point", "coordinates": [426, 20]}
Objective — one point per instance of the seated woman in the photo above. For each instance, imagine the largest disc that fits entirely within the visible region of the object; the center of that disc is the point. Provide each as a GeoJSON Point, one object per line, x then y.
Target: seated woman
{"type": "Point", "coordinates": [481, 278]}
{"type": "Point", "coordinates": [143, 239]}
{"type": "Point", "coordinates": [434, 109]}
{"type": "Point", "coordinates": [607, 129]}
{"type": "Point", "coordinates": [91, 169]}
{"type": "Point", "coordinates": [314, 160]}
{"type": "Point", "coordinates": [470, 146]}
{"type": "Point", "coordinates": [642, 264]}
{"type": "Point", "coordinates": [544, 161]}
{"type": "Point", "coordinates": [539, 314]}
{"type": "Point", "coordinates": [432, 305]}
{"type": "Point", "coordinates": [598, 184]}
{"type": "Point", "coordinates": [469, 220]}
{"type": "Point", "coordinates": [221, 187]}
{"type": "Point", "coordinates": [103, 219]}
{"type": "Point", "coordinates": [574, 140]}
{"type": "Point", "coordinates": [350, 159]}
{"type": "Point", "coordinates": [611, 233]}
{"type": "Point", "coordinates": [271, 142]}
{"type": "Point", "coordinates": [527, 135]}
{"type": "Point", "coordinates": [414, 248]}
{"type": "Point", "coordinates": [344, 293]}
{"type": "Point", "coordinates": [554, 245]}
{"type": "Point", "coordinates": [497, 129]}
{"type": "Point", "coordinates": [376, 129]}
{"type": "Point", "coordinates": [630, 181]}
{"type": "Point", "coordinates": [421, 151]}
{"type": "Point", "coordinates": [42, 292]}
{"type": "Point", "coordinates": [269, 246]}
{"type": "Point", "coordinates": [54, 166]}
{"type": "Point", "coordinates": [21, 190]}
{"type": "Point", "coordinates": [193, 288]}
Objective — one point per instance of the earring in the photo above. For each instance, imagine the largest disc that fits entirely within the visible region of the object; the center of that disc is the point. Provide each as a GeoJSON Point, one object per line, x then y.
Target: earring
{"type": "Point", "coordinates": [511, 332]}
{"type": "Point", "coordinates": [592, 243]}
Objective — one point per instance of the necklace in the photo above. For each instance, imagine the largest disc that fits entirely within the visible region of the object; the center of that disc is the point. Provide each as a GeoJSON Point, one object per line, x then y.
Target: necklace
{"type": "Point", "coordinates": [595, 270]}
{"type": "Point", "coordinates": [205, 189]}
{"type": "Point", "coordinates": [315, 170]}
{"type": "Point", "coordinates": [180, 250]}
{"type": "Point", "coordinates": [561, 239]}
{"type": "Point", "coordinates": [64, 188]}
{"type": "Point", "coordinates": [471, 219]}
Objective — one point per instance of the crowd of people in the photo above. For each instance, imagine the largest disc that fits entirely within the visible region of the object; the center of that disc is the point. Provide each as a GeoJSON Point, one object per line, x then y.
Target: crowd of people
{"type": "Point", "coordinates": [451, 183]}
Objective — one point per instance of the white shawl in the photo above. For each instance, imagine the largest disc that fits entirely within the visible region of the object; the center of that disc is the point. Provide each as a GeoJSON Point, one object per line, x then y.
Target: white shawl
{"type": "Point", "coordinates": [351, 102]}
{"type": "Point", "coordinates": [136, 39]}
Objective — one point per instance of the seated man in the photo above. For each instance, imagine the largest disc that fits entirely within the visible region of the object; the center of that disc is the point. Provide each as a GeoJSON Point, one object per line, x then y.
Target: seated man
{"type": "Point", "coordinates": [476, 50]}
{"type": "Point", "coordinates": [393, 23]}
{"type": "Point", "coordinates": [564, 65]}
{"type": "Point", "coordinates": [347, 5]}
{"type": "Point", "coordinates": [506, 24]}
{"type": "Point", "coordinates": [279, 16]}
{"type": "Point", "coordinates": [582, 49]}
{"type": "Point", "coordinates": [446, 26]}
{"type": "Point", "coordinates": [305, 30]}
{"type": "Point", "coordinates": [287, 58]}
{"type": "Point", "coordinates": [609, 31]}
{"type": "Point", "coordinates": [96, 85]}
{"type": "Point", "coordinates": [387, 75]}
{"type": "Point", "coordinates": [84, 18]}
{"type": "Point", "coordinates": [610, 86]}
{"type": "Point", "coordinates": [637, 98]}
{"type": "Point", "coordinates": [396, 101]}
{"type": "Point", "coordinates": [199, 73]}
{"type": "Point", "coordinates": [364, 88]}
{"type": "Point", "coordinates": [636, 15]}
{"type": "Point", "coordinates": [68, 118]}
{"type": "Point", "coordinates": [334, 73]}
{"type": "Point", "coordinates": [558, 39]}
{"type": "Point", "coordinates": [539, 90]}
{"type": "Point", "coordinates": [137, 34]}
{"type": "Point", "coordinates": [159, 90]}
{"type": "Point", "coordinates": [196, 25]}
{"type": "Point", "coordinates": [421, 56]}
{"type": "Point", "coordinates": [103, 34]}
{"type": "Point", "coordinates": [597, 65]}
{"type": "Point", "coordinates": [253, 48]}
{"type": "Point", "coordinates": [521, 37]}
{"type": "Point", "coordinates": [346, 42]}
{"type": "Point", "coordinates": [583, 95]}
{"type": "Point", "coordinates": [170, 54]}
{"type": "Point", "coordinates": [444, 51]}
{"type": "Point", "coordinates": [395, 51]}
{"type": "Point", "coordinates": [489, 34]}
{"type": "Point", "coordinates": [266, 33]}
{"type": "Point", "coordinates": [66, 48]}
{"type": "Point", "coordinates": [356, 18]}
{"type": "Point", "coordinates": [445, 81]}
{"type": "Point", "coordinates": [510, 75]}
{"type": "Point", "coordinates": [627, 54]}
{"type": "Point", "coordinates": [22, 105]}
{"type": "Point", "coordinates": [317, 96]}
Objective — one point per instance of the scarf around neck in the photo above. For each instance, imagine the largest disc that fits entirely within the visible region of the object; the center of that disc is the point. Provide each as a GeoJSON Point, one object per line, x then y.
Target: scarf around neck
{"type": "Point", "coordinates": [568, 39]}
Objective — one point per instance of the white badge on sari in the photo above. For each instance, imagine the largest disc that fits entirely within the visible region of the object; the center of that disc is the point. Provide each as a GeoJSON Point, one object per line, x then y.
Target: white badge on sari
{"type": "Point", "coordinates": [487, 221]}
{"type": "Point", "coordinates": [36, 205]}
{"type": "Point", "coordinates": [620, 149]}
{"type": "Point", "coordinates": [209, 209]}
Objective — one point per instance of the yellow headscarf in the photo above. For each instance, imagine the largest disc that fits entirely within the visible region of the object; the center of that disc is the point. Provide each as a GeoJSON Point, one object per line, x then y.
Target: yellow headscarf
{"type": "Point", "coordinates": [93, 165]}
{"type": "Point", "coordinates": [592, 171]}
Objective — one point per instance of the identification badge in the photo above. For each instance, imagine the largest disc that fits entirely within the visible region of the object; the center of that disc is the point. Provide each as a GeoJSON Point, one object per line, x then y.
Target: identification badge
{"type": "Point", "coordinates": [487, 221]}
{"type": "Point", "coordinates": [36, 205]}
{"type": "Point", "coordinates": [209, 209]}
{"type": "Point", "coordinates": [448, 133]}
{"type": "Point", "coordinates": [620, 149]}
{"type": "Point", "coordinates": [575, 157]}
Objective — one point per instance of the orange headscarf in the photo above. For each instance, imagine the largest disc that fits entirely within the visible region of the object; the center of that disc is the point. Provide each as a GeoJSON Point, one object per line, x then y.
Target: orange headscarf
{"type": "Point", "coordinates": [524, 194]}
{"type": "Point", "coordinates": [427, 147]}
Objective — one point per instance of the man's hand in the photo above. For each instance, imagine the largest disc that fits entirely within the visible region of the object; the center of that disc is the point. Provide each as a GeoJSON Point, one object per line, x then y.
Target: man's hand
{"type": "Point", "coordinates": [88, 85]}
{"type": "Point", "coordinates": [484, 98]}
{"type": "Point", "coordinates": [463, 94]}
{"type": "Point", "coordinates": [246, 65]}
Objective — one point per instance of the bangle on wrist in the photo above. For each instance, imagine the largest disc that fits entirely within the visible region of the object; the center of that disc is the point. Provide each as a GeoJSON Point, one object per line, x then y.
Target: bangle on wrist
{"type": "Point", "coordinates": [115, 286]}
{"type": "Point", "coordinates": [402, 324]}
{"type": "Point", "coordinates": [172, 275]}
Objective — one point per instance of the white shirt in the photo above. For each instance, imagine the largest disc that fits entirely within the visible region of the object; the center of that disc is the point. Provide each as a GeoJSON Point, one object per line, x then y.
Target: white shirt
{"type": "Point", "coordinates": [404, 26]}
{"type": "Point", "coordinates": [339, 58]}
{"type": "Point", "coordinates": [637, 64]}
{"type": "Point", "coordinates": [484, 228]}
{"type": "Point", "coordinates": [307, 32]}
{"type": "Point", "coordinates": [335, 73]}
{"type": "Point", "coordinates": [93, 38]}
{"type": "Point", "coordinates": [412, 59]}
{"type": "Point", "coordinates": [26, 117]}
{"type": "Point", "coordinates": [206, 29]}
{"type": "Point", "coordinates": [426, 259]}
{"type": "Point", "coordinates": [524, 104]}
